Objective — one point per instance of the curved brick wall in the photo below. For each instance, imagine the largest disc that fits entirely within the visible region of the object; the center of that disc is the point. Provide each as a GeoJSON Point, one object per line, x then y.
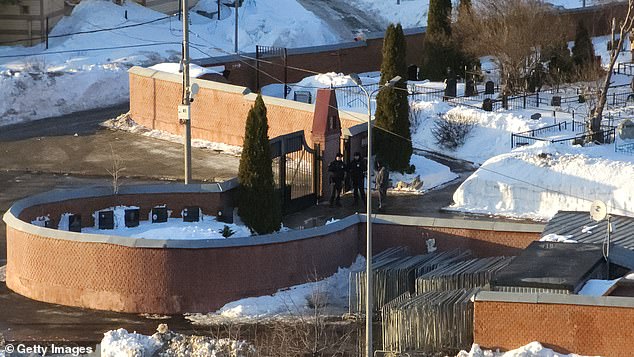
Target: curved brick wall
{"type": "Point", "coordinates": [175, 276]}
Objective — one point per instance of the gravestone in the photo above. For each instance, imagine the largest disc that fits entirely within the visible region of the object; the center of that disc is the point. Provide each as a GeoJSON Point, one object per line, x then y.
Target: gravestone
{"type": "Point", "coordinates": [470, 88]}
{"type": "Point", "coordinates": [451, 88]}
{"type": "Point", "coordinates": [555, 101]}
{"type": "Point", "coordinates": [489, 87]}
{"type": "Point", "coordinates": [536, 116]}
{"type": "Point", "coordinates": [487, 105]}
{"type": "Point", "coordinates": [626, 130]}
{"type": "Point", "coordinates": [582, 98]}
{"type": "Point", "coordinates": [412, 73]}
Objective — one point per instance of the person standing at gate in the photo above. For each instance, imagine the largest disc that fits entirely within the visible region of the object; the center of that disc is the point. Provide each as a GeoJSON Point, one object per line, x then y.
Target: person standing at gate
{"type": "Point", "coordinates": [337, 171]}
{"type": "Point", "coordinates": [356, 170]}
{"type": "Point", "coordinates": [382, 181]}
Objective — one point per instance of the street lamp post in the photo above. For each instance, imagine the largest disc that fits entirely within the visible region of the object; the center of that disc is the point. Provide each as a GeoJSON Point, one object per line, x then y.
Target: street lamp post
{"type": "Point", "coordinates": [368, 254]}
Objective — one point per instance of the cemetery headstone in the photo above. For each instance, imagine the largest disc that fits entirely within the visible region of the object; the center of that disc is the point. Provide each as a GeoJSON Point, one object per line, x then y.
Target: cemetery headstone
{"type": "Point", "coordinates": [487, 105]}
{"type": "Point", "coordinates": [470, 88]}
{"type": "Point", "coordinates": [489, 87]}
{"type": "Point", "coordinates": [626, 130]}
{"type": "Point", "coordinates": [412, 73]}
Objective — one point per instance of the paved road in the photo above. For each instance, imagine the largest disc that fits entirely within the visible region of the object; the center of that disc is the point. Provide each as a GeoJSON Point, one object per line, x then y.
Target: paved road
{"type": "Point", "coordinates": [342, 18]}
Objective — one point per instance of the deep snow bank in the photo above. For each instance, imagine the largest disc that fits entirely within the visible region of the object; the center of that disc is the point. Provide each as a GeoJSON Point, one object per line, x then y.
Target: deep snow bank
{"type": "Point", "coordinates": [536, 182]}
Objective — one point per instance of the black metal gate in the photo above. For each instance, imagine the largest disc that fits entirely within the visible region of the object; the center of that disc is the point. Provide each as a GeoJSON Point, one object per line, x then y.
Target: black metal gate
{"type": "Point", "coordinates": [296, 170]}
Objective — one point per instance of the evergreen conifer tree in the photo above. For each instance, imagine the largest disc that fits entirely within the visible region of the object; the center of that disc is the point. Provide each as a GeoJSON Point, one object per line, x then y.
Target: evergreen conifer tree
{"type": "Point", "coordinates": [439, 17]}
{"type": "Point", "coordinates": [441, 51]}
{"type": "Point", "coordinates": [259, 205]}
{"type": "Point", "coordinates": [583, 49]}
{"type": "Point", "coordinates": [392, 108]}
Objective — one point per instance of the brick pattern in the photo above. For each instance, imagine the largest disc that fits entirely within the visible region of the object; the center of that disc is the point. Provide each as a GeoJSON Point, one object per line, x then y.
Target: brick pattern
{"type": "Point", "coordinates": [217, 116]}
{"type": "Point", "coordinates": [167, 281]}
{"type": "Point", "coordinates": [482, 243]}
{"type": "Point", "coordinates": [581, 329]}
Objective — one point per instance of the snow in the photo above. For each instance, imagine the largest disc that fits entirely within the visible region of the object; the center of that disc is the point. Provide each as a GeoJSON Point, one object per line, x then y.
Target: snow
{"type": "Point", "coordinates": [595, 287]}
{"type": "Point", "coordinates": [537, 181]}
{"type": "Point", "coordinates": [195, 70]}
{"type": "Point", "coordinates": [71, 76]}
{"type": "Point", "coordinates": [120, 342]}
{"type": "Point", "coordinates": [331, 294]}
{"type": "Point", "coordinates": [123, 343]}
{"type": "Point", "coordinates": [175, 228]}
{"type": "Point", "coordinates": [552, 237]}
{"type": "Point", "coordinates": [124, 122]}
{"type": "Point", "coordinates": [64, 223]}
{"type": "Point", "coordinates": [413, 13]}
{"type": "Point", "coordinates": [533, 349]}
{"type": "Point", "coordinates": [428, 173]}
{"type": "Point", "coordinates": [490, 134]}
{"type": "Point", "coordinates": [41, 221]}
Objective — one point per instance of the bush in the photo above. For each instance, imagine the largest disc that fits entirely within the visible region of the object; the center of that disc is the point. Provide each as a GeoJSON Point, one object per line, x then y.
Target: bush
{"type": "Point", "coordinates": [227, 231]}
{"type": "Point", "coordinates": [451, 130]}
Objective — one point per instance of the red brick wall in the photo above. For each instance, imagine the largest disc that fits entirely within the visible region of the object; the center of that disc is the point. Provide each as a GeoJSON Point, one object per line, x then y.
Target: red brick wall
{"type": "Point", "coordinates": [167, 281]}
{"type": "Point", "coordinates": [131, 279]}
{"type": "Point", "coordinates": [483, 243]}
{"type": "Point", "coordinates": [581, 329]}
{"type": "Point", "coordinates": [217, 115]}
{"type": "Point", "coordinates": [368, 57]}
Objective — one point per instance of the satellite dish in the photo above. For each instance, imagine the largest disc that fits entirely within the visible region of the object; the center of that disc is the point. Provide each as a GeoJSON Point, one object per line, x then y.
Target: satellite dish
{"type": "Point", "coordinates": [194, 89]}
{"type": "Point", "coordinates": [598, 210]}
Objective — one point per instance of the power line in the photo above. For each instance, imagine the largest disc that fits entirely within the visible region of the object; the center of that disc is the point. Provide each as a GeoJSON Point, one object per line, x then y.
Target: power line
{"type": "Point", "coordinates": [93, 49]}
{"type": "Point", "coordinates": [88, 31]}
{"type": "Point", "coordinates": [195, 46]}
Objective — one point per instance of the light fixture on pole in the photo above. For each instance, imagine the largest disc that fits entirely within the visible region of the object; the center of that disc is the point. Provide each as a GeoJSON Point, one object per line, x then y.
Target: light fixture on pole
{"type": "Point", "coordinates": [184, 110]}
{"type": "Point", "coordinates": [368, 255]}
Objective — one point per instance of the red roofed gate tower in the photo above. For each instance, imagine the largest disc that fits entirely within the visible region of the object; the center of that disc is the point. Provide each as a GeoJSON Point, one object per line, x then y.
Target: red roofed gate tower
{"type": "Point", "coordinates": [326, 133]}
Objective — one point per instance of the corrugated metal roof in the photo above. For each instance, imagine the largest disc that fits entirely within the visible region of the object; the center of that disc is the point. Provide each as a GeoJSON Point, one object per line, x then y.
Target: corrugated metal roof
{"type": "Point", "coordinates": [583, 229]}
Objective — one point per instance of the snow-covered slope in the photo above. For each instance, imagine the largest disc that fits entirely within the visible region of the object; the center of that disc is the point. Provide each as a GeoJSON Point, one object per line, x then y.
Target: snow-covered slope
{"type": "Point", "coordinates": [89, 70]}
{"type": "Point", "coordinates": [537, 181]}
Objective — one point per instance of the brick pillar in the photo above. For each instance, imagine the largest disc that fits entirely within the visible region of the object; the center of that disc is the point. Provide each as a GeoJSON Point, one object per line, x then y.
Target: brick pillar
{"type": "Point", "coordinates": [326, 132]}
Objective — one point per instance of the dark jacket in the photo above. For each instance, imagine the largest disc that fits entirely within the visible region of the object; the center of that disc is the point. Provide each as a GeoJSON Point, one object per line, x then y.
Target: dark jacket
{"type": "Point", "coordinates": [356, 168]}
{"type": "Point", "coordinates": [337, 171]}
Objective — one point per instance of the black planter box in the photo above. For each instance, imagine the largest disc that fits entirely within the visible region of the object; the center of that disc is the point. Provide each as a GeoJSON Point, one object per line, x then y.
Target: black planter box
{"type": "Point", "coordinates": [159, 214]}
{"type": "Point", "coordinates": [191, 214]}
{"type": "Point", "coordinates": [106, 219]}
{"type": "Point", "coordinates": [132, 217]}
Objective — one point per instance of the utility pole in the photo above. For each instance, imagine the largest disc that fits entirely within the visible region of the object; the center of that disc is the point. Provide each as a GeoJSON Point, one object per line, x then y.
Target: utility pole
{"type": "Point", "coordinates": [236, 31]}
{"type": "Point", "coordinates": [184, 110]}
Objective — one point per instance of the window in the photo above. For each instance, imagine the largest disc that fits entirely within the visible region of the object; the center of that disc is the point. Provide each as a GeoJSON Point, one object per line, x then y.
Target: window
{"type": "Point", "coordinates": [24, 10]}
